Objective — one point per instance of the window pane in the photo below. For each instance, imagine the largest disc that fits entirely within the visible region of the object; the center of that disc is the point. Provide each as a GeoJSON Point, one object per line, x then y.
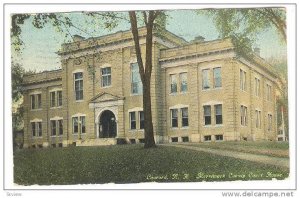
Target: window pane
{"type": "Point", "coordinates": [52, 99]}
{"type": "Point", "coordinates": [39, 101]}
{"type": "Point", "coordinates": [82, 120]}
{"type": "Point", "coordinates": [132, 120]}
{"type": "Point", "coordinates": [59, 98]}
{"type": "Point", "coordinates": [207, 115]}
{"type": "Point", "coordinates": [185, 117]}
{"type": "Point", "coordinates": [75, 124]}
{"type": "Point", "coordinates": [217, 77]}
{"type": "Point", "coordinates": [78, 75]}
{"type": "Point", "coordinates": [174, 117]}
{"type": "Point", "coordinates": [218, 112]}
{"type": "Point", "coordinates": [136, 83]}
{"type": "Point", "coordinates": [32, 98]}
{"type": "Point", "coordinates": [61, 129]}
{"type": "Point", "coordinates": [39, 124]}
{"type": "Point", "coordinates": [53, 127]}
{"type": "Point", "coordinates": [183, 82]}
{"type": "Point", "coordinates": [33, 128]}
{"type": "Point", "coordinates": [142, 119]}
{"type": "Point", "coordinates": [205, 79]}
{"type": "Point", "coordinates": [173, 82]}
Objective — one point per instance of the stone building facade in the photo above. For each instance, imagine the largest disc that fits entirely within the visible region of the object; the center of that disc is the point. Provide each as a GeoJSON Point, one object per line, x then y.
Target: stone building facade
{"type": "Point", "coordinates": [200, 91]}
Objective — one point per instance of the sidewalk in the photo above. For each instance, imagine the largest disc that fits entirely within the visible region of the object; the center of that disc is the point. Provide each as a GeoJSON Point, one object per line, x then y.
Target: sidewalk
{"type": "Point", "coordinates": [277, 161]}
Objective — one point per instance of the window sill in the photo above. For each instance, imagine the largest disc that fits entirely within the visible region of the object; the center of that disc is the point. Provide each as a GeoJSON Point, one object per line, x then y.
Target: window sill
{"type": "Point", "coordinates": [37, 137]}
{"type": "Point", "coordinates": [136, 94]}
{"type": "Point", "coordinates": [59, 107]}
{"type": "Point", "coordinates": [79, 100]}
{"type": "Point", "coordinates": [36, 109]}
{"type": "Point", "coordinates": [178, 93]}
{"type": "Point", "coordinates": [219, 125]}
{"type": "Point", "coordinates": [106, 87]}
{"type": "Point", "coordinates": [136, 130]}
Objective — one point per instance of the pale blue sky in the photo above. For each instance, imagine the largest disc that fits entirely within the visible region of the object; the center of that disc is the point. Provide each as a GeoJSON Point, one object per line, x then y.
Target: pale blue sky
{"type": "Point", "coordinates": [41, 44]}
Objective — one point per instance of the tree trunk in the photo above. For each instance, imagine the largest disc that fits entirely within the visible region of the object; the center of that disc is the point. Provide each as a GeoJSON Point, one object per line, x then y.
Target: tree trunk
{"type": "Point", "coordinates": [145, 73]}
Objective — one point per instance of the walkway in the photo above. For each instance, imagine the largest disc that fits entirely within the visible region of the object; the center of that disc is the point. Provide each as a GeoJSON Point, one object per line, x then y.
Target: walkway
{"type": "Point", "coordinates": [277, 161]}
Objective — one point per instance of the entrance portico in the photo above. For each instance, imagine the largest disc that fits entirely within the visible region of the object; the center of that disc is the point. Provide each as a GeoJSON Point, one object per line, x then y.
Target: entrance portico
{"type": "Point", "coordinates": [108, 118]}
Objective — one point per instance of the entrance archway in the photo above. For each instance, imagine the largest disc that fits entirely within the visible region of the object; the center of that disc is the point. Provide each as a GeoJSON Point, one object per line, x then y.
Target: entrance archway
{"type": "Point", "coordinates": [107, 125]}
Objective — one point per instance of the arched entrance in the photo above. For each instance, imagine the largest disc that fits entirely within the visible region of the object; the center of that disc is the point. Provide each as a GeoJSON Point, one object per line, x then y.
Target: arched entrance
{"type": "Point", "coordinates": [107, 125]}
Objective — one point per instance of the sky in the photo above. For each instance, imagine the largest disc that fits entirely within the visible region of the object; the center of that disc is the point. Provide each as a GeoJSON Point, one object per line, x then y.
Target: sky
{"type": "Point", "coordinates": [41, 45]}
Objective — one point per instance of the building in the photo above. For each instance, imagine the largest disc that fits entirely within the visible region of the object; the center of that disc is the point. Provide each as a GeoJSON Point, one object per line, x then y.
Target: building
{"type": "Point", "coordinates": [200, 91]}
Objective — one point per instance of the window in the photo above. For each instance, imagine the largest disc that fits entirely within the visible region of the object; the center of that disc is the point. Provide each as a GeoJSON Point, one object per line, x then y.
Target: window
{"type": "Point", "coordinates": [136, 83]}
{"type": "Point", "coordinates": [207, 115]}
{"type": "Point", "coordinates": [53, 127]}
{"type": "Point", "coordinates": [173, 80]}
{"type": "Point", "coordinates": [36, 101]}
{"type": "Point", "coordinates": [219, 137]}
{"type": "Point", "coordinates": [36, 129]}
{"type": "Point", "coordinates": [132, 120]}
{"type": "Point", "coordinates": [60, 127]}
{"type": "Point", "coordinates": [217, 77]}
{"type": "Point", "coordinates": [59, 98]}
{"type": "Point", "coordinates": [75, 124]}
{"type": "Point", "coordinates": [257, 87]}
{"type": "Point", "coordinates": [185, 139]}
{"type": "Point", "coordinates": [269, 122]}
{"type": "Point", "coordinates": [207, 138]}
{"type": "Point", "coordinates": [52, 99]}
{"type": "Point", "coordinates": [218, 113]}
{"type": "Point", "coordinates": [174, 139]}
{"type": "Point", "coordinates": [183, 82]}
{"type": "Point", "coordinates": [78, 123]}
{"type": "Point", "coordinates": [185, 117]}
{"type": "Point", "coordinates": [243, 80]}
{"type": "Point", "coordinates": [82, 123]}
{"type": "Point", "coordinates": [141, 113]}
{"type": "Point", "coordinates": [243, 112]}
{"type": "Point", "coordinates": [269, 92]}
{"type": "Point", "coordinates": [106, 77]}
{"type": "Point", "coordinates": [78, 82]}
{"type": "Point", "coordinates": [258, 118]}
{"type": "Point", "coordinates": [174, 118]}
{"type": "Point", "coordinates": [205, 79]}
{"type": "Point", "coordinates": [33, 130]}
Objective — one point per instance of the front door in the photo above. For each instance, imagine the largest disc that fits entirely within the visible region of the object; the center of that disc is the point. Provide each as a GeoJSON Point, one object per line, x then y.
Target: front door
{"type": "Point", "coordinates": [107, 127]}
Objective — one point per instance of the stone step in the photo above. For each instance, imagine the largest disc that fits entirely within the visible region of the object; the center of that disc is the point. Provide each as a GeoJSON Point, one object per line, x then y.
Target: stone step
{"type": "Point", "coordinates": [98, 142]}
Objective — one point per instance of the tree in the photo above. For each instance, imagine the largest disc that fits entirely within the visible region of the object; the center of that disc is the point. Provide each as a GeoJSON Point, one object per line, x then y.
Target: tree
{"type": "Point", "coordinates": [244, 24]}
{"type": "Point", "coordinates": [149, 18]}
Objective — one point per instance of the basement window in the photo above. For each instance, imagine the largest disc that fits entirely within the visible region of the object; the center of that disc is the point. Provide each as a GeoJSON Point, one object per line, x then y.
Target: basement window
{"type": "Point", "coordinates": [174, 139]}
{"type": "Point", "coordinates": [219, 137]}
{"type": "Point", "coordinates": [207, 138]}
{"type": "Point", "coordinates": [132, 141]}
{"type": "Point", "coordinates": [142, 140]}
{"type": "Point", "coordinates": [185, 139]}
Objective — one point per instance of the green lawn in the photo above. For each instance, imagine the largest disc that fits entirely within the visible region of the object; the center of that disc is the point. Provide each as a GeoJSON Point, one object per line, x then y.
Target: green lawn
{"type": "Point", "coordinates": [132, 164]}
{"type": "Point", "coordinates": [275, 149]}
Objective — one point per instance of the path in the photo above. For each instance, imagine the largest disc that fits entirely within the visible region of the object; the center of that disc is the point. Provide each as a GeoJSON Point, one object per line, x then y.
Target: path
{"type": "Point", "coordinates": [277, 161]}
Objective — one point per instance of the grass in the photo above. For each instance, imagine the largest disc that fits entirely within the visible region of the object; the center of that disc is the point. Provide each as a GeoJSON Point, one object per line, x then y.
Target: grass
{"type": "Point", "coordinates": [274, 149]}
{"type": "Point", "coordinates": [132, 164]}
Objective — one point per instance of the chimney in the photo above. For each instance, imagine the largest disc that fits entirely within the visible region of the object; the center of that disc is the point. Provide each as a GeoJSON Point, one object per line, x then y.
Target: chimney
{"type": "Point", "coordinates": [257, 51]}
{"type": "Point", "coordinates": [78, 38]}
{"type": "Point", "coordinates": [198, 39]}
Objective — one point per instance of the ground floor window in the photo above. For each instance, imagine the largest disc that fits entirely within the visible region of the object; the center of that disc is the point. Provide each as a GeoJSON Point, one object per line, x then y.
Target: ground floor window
{"type": "Point", "coordinates": [36, 129]}
{"type": "Point", "coordinates": [207, 115]}
{"type": "Point", "coordinates": [269, 122]}
{"type": "Point", "coordinates": [132, 120]}
{"type": "Point", "coordinates": [179, 114]}
{"type": "Point", "coordinates": [258, 119]}
{"type": "Point", "coordinates": [243, 112]}
{"type": "Point", "coordinates": [78, 124]}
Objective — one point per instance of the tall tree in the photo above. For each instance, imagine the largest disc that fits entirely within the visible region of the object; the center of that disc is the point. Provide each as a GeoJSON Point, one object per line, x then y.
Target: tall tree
{"type": "Point", "coordinates": [110, 20]}
{"type": "Point", "coordinates": [244, 24]}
